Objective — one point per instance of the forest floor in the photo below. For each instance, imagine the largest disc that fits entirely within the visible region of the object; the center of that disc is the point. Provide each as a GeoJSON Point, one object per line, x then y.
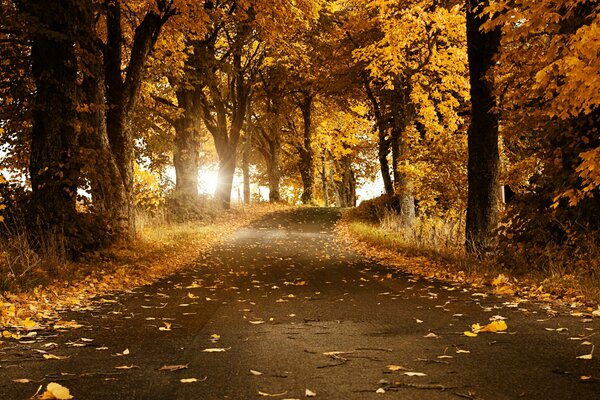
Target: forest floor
{"type": "Point", "coordinates": [284, 308]}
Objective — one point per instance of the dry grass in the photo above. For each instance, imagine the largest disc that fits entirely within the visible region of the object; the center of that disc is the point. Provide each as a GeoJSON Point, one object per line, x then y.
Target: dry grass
{"type": "Point", "coordinates": [160, 250]}
{"type": "Point", "coordinates": [434, 248]}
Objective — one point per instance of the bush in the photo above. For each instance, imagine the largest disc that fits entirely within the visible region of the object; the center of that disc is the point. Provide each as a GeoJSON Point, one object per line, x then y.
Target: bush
{"type": "Point", "coordinates": [374, 210]}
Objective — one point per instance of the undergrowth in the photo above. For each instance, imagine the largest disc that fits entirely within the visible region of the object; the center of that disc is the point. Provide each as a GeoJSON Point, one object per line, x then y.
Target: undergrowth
{"type": "Point", "coordinates": [438, 244]}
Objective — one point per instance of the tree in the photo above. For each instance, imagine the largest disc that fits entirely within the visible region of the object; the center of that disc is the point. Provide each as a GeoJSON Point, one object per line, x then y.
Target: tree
{"type": "Point", "coordinates": [484, 160]}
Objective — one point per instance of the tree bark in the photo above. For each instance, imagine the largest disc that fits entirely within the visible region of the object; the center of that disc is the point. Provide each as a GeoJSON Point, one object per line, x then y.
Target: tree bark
{"type": "Point", "coordinates": [246, 165]}
{"type": "Point", "coordinates": [54, 170]}
{"type": "Point", "coordinates": [186, 156]}
{"type": "Point", "coordinates": [306, 152]}
{"type": "Point", "coordinates": [121, 94]}
{"type": "Point", "coordinates": [324, 179]}
{"type": "Point", "coordinates": [484, 161]}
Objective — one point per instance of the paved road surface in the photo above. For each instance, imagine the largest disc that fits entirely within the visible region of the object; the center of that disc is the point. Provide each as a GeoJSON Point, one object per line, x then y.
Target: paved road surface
{"type": "Point", "coordinates": [282, 293]}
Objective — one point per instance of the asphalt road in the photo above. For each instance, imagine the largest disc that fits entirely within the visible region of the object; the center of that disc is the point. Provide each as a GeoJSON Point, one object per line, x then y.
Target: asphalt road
{"type": "Point", "coordinates": [283, 309]}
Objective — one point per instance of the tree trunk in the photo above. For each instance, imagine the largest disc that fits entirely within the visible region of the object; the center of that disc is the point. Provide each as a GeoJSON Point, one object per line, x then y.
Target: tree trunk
{"type": "Point", "coordinates": [274, 169]}
{"type": "Point", "coordinates": [121, 95]}
{"type": "Point", "coordinates": [324, 180]}
{"type": "Point", "coordinates": [403, 187]}
{"type": "Point", "coordinates": [306, 151]}
{"type": "Point", "coordinates": [246, 165]}
{"type": "Point", "coordinates": [186, 157]}
{"type": "Point", "coordinates": [110, 199]}
{"type": "Point", "coordinates": [347, 185]}
{"type": "Point", "coordinates": [227, 159]}
{"type": "Point", "coordinates": [484, 161]}
{"type": "Point", "coordinates": [383, 150]}
{"type": "Point", "coordinates": [54, 170]}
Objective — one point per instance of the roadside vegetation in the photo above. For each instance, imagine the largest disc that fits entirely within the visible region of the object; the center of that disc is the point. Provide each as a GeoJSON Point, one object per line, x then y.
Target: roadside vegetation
{"type": "Point", "coordinates": [434, 247]}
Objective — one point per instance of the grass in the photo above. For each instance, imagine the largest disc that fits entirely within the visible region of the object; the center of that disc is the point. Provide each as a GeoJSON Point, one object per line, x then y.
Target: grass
{"type": "Point", "coordinates": [161, 249]}
{"type": "Point", "coordinates": [434, 248]}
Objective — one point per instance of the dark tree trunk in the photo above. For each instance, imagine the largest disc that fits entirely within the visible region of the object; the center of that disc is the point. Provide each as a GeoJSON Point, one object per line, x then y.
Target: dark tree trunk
{"type": "Point", "coordinates": [384, 143]}
{"type": "Point", "coordinates": [110, 200]}
{"type": "Point", "coordinates": [403, 187]}
{"type": "Point", "coordinates": [306, 152]}
{"type": "Point", "coordinates": [383, 150]}
{"type": "Point", "coordinates": [54, 169]}
{"type": "Point", "coordinates": [186, 156]}
{"type": "Point", "coordinates": [484, 162]}
{"type": "Point", "coordinates": [121, 95]}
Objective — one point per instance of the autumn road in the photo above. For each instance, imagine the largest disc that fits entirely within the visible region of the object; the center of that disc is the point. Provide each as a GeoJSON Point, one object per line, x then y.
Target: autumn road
{"type": "Point", "coordinates": [284, 310]}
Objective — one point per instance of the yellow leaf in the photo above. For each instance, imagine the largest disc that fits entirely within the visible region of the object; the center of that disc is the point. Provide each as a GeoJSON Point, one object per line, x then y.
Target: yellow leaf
{"type": "Point", "coordinates": [494, 326]}
{"type": "Point", "coordinates": [21, 380]}
{"type": "Point", "coordinates": [54, 391]}
{"type": "Point", "coordinates": [53, 357]}
{"type": "Point", "coordinates": [167, 327]}
{"type": "Point", "coordinates": [470, 334]}
{"type": "Point", "coordinates": [394, 368]}
{"type": "Point", "coordinates": [188, 380]}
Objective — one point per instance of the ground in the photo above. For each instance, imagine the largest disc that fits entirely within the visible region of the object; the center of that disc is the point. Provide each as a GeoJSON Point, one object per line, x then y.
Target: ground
{"type": "Point", "coordinates": [285, 309]}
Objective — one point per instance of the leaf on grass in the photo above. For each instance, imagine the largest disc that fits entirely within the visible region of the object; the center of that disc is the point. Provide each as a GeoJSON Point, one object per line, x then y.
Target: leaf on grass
{"type": "Point", "coordinates": [265, 394]}
{"type": "Point", "coordinates": [54, 391]}
{"type": "Point", "coordinates": [460, 351]}
{"type": "Point", "coordinates": [414, 373]}
{"type": "Point", "coordinates": [171, 368]}
{"type": "Point", "coordinates": [255, 373]}
{"type": "Point", "coordinates": [309, 393]}
{"type": "Point", "coordinates": [257, 322]}
{"type": "Point", "coordinates": [586, 357]}
{"type": "Point", "coordinates": [380, 391]}
{"type": "Point", "coordinates": [192, 296]}
{"type": "Point", "coordinates": [21, 380]}
{"type": "Point", "coordinates": [470, 334]}
{"type": "Point", "coordinates": [431, 335]}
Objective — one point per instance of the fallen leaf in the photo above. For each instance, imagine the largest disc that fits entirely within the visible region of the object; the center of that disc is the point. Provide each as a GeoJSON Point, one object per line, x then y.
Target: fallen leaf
{"type": "Point", "coordinates": [470, 334]}
{"type": "Point", "coordinates": [188, 380]}
{"type": "Point", "coordinates": [54, 391]}
{"type": "Point", "coordinates": [494, 326]}
{"type": "Point", "coordinates": [414, 373]}
{"type": "Point", "coordinates": [216, 350]}
{"type": "Point", "coordinates": [431, 335]}
{"type": "Point", "coordinates": [310, 393]}
{"type": "Point", "coordinates": [394, 368]}
{"type": "Point", "coordinates": [255, 373]}
{"type": "Point", "coordinates": [171, 368]}
{"type": "Point", "coordinates": [380, 391]}
{"type": "Point", "coordinates": [165, 328]}
{"type": "Point", "coordinates": [53, 357]}
{"type": "Point", "coordinates": [21, 380]}
{"type": "Point", "coordinates": [265, 394]}
{"type": "Point", "coordinates": [127, 367]}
